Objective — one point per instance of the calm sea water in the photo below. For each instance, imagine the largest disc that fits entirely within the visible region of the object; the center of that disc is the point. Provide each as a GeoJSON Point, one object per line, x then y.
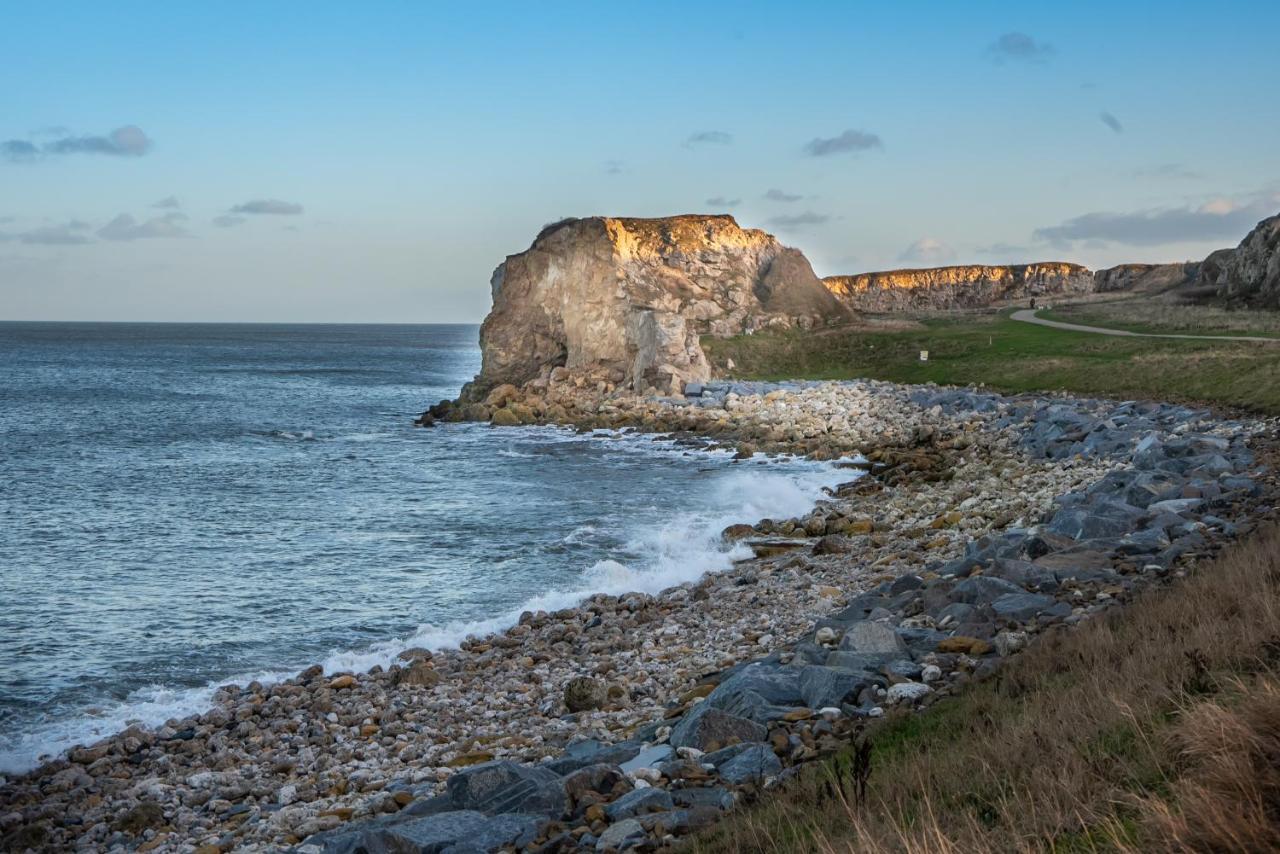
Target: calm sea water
{"type": "Point", "coordinates": [186, 505]}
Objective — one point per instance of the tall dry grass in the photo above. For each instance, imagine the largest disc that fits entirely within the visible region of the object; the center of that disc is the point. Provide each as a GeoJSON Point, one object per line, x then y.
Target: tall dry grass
{"type": "Point", "coordinates": [1153, 727]}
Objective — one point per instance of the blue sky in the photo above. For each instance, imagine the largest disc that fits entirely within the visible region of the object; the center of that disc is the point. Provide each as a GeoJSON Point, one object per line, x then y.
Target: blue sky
{"type": "Point", "coordinates": [374, 162]}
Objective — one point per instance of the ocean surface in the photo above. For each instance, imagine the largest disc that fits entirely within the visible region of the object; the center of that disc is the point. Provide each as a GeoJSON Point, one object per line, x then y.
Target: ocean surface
{"type": "Point", "coordinates": [183, 506]}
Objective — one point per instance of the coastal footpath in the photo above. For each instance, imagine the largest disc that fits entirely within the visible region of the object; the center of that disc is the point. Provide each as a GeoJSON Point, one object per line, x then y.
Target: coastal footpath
{"type": "Point", "coordinates": [981, 522]}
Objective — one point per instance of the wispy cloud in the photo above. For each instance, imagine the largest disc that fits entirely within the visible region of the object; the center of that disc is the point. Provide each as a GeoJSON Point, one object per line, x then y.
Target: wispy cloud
{"type": "Point", "coordinates": [781, 196]}
{"type": "Point", "coordinates": [125, 227]}
{"type": "Point", "coordinates": [800, 220]}
{"type": "Point", "coordinates": [1168, 170]}
{"type": "Point", "coordinates": [127, 141]}
{"type": "Point", "coordinates": [849, 141]}
{"type": "Point", "coordinates": [927, 250]}
{"type": "Point", "coordinates": [709, 137]}
{"type": "Point", "coordinates": [18, 150]}
{"type": "Point", "coordinates": [722, 202]}
{"type": "Point", "coordinates": [228, 220]}
{"type": "Point", "coordinates": [614, 167]}
{"type": "Point", "coordinates": [168, 203]}
{"type": "Point", "coordinates": [1018, 47]}
{"type": "Point", "coordinates": [274, 207]}
{"type": "Point", "coordinates": [67, 234]}
{"type": "Point", "coordinates": [1217, 219]}
{"type": "Point", "coordinates": [1111, 121]}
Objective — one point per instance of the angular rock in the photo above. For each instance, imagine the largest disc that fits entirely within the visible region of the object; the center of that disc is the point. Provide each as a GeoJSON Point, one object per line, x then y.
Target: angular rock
{"type": "Point", "coordinates": [706, 725]}
{"type": "Point", "coordinates": [503, 786]}
{"type": "Point", "coordinates": [823, 687]}
{"type": "Point", "coordinates": [639, 802]}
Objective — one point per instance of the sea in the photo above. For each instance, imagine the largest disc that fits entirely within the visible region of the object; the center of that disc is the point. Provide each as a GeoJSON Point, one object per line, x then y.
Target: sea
{"type": "Point", "coordinates": [184, 506]}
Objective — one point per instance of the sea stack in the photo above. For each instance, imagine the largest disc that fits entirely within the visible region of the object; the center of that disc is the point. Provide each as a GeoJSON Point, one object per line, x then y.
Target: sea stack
{"type": "Point", "coordinates": [633, 296]}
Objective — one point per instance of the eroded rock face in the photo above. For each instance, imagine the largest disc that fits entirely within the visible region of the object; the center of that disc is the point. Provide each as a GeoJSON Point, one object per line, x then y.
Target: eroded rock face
{"type": "Point", "coordinates": [1250, 273]}
{"type": "Point", "coordinates": [634, 295]}
{"type": "Point", "coordinates": [967, 286]}
{"type": "Point", "coordinates": [1142, 278]}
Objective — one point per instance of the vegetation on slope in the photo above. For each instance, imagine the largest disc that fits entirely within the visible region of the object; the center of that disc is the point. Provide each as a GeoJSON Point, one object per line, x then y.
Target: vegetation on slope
{"type": "Point", "coordinates": [1168, 315]}
{"type": "Point", "coordinates": [1011, 356]}
{"type": "Point", "coordinates": [1154, 728]}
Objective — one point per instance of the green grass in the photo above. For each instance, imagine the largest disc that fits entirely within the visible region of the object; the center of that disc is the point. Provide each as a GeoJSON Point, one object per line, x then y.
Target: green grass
{"type": "Point", "coordinates": [1011, 356]}
{"type": "Point", "coordinates": [1157, 315]}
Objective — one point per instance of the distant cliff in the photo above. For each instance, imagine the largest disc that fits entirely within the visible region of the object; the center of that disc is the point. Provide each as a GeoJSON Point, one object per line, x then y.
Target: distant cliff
{"type": "Point", "coordinates": [1250, 273]}
{"type": "Point", "coordinates": [968, 286]}
{"type": "Point", "coordinates": [1143, 278]}
{"type": "Point", "coordinates": [632, 297]}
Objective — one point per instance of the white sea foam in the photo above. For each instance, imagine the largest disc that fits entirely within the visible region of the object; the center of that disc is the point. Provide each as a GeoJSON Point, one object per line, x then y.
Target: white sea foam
{"type": "Point", "coordinates": [680, 550]}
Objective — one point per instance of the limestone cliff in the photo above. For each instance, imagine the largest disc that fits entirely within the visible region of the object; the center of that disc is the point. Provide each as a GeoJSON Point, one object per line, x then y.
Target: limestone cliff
{"type": "Point", "coordinates": [632, 296]}
{"type": "Point", "coordinates": [968, 286]}
{"type": "Point", "coordinates": [1143, 278]}
{"type": "Point", "coordinates": [1250, 273]}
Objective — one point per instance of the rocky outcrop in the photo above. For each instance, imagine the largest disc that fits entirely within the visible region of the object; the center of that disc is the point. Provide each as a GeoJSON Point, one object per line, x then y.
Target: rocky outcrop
{"type": "Point", "coordinates": [1250, 273]}
{"type": "Point", "coordinates": [968, 286]}
{"type": "Point", "coordinates": [1143, 278]}
{"type": "Point", "coordinates": [633, 296]}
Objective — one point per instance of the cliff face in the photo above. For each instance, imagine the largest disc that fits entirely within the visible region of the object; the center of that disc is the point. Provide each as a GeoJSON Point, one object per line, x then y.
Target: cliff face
{"type": "Point", "coordinates": [967, 286]}
{"type": "Point", "coordinates": [634, 295]}
{"type": "Point", "coordinates": [1143, 278]}
{"type": "Point", "coordinates": [1250, 273]}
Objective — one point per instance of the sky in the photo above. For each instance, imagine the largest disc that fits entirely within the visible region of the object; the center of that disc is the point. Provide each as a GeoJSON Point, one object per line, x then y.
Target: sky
{"type": "Point", "coordinates": [373, 162]}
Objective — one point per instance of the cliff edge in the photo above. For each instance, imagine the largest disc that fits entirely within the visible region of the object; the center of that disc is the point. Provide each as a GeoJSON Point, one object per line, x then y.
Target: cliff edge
{"type": "Point", "coordinates": [633, 296]}
{"type": "Point", "coordinates": [966, 286]}
{"type": "Point", "coordinates": [1248, 274]}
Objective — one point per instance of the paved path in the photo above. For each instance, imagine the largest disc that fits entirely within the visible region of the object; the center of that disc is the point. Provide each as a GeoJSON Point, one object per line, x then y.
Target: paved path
{"type": "Point", "coordinates": [1028, 315]}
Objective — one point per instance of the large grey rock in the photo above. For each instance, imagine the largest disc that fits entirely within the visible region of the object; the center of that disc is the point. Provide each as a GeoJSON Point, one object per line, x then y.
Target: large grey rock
{"type": "Point", "coordinates": [755, 763]}
{"type": "Point", "coordinates": [622, 836]}
{"type": "Point", "coordinates": [600, 778]}
{"type": "Point", "coordinates": [502, 787]}
{"type": "Point", "coordinates": [872, 639]}
{"type": "Point", "coordinates": [1024, 606]}
{"type": "Point", "coordinates": [983, 590]}
{"type": "Point", "coordinates": [760, 692]}
{"type": "Point", "coordinates": [591, 752]}
{"type": "Point", "coordinates": [823, 687]}
{"type": "Point", "coordinates": [638, 802]}
{"type": "Point", "coordinates": [455, 832]}
{"type": "Point", "coordinates": [706, 725]}
{"type": "Point", "coordinates": [710, 796]}
{"type": "Point", "coordinates": [649, 757]}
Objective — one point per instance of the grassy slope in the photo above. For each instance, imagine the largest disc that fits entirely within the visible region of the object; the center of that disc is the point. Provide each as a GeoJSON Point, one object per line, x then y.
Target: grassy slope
{"type": "Point", "coordinates": [1162, 314]}
{"type": "Point", "coordinates": [1012, 356]}
{"type": "Point", "coordinates": [1154, 728]}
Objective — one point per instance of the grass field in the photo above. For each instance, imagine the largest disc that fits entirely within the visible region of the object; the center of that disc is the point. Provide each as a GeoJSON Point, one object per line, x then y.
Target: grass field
{"type": "Point", "coordinates": [1155, 728]}
{"type": "Point", "coordinates": [1164, 314]}
{"type": "Point", "coordinates": [1010, 356]}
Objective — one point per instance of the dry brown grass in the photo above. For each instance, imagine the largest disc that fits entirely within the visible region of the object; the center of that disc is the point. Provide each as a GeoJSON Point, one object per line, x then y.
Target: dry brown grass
{"type": "Point", "coordinates": [1155, 727]}
{"type": "Point", "coordinates": [1168, 314]}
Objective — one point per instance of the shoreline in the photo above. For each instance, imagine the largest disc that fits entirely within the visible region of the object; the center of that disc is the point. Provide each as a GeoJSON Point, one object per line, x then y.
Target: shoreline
{"type": "Point", "coordinates": [405, 731]}
{"type": "Point", "coordinates": [384, 652]}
